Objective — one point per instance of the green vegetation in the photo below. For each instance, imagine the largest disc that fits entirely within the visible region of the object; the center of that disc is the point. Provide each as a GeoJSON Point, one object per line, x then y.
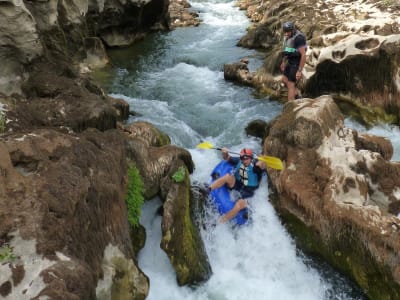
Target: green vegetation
{"type": "Point", "coordinates": [134, 197]}
{"type": "Point", "coordinates": [6, 254]}
{"type": "Point", "coordinates": [179, 175]}
{"type": "Point", "coordinates": [388, 2]}
{"type": "Point", "coordinates": [2, 122]}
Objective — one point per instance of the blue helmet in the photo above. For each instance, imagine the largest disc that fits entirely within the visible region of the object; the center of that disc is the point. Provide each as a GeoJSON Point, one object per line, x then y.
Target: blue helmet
{"type": "Point", "coordinates": [288, 26]}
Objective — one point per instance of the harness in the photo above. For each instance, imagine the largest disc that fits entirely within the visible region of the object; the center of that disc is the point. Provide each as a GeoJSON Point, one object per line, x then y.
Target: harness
{"type": "Point", "coordinates": [246, 175]}
{"type": "Point", "coordinates": [289, 49]}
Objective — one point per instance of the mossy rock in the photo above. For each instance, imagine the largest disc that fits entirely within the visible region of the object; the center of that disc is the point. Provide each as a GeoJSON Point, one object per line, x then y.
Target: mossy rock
{"type": "Point", "coordinates": [345, 252]}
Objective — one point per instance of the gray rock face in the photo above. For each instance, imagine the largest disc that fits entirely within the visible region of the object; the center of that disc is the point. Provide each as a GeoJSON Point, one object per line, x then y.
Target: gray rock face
{"type": "Point", "coordinates": [19, 44]}
{"type": "Point", "coordinates": [62, 31]}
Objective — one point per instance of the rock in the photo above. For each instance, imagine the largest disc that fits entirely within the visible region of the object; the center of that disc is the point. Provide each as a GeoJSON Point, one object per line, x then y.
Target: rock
{"type": "Point", "coordinates": [20, 45]}
{"type": "Point", "coordinates": [352, 51]}
{"type": "Point", "coordinates": [335, 195]}
{"type": "Point", "coordinates": [181, 238]}
{"type": "Point", "coordinates": [63, 213]}
{"type": "Point", "coordinates": [179, 14]}
{"type": "Point", "coordinates": [238, 72]}
{"type": "Point", "coordinates": [62, 180]}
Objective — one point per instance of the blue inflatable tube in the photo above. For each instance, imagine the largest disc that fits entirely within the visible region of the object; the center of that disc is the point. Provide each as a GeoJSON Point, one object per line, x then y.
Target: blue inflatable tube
{"type": "Point", "coordinates": [221, 197]}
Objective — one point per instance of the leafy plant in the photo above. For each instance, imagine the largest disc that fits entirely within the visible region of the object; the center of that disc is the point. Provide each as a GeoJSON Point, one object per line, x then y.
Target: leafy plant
{"type": "Point", "coordinates": [134, 197]}
{"type": "Point", "coordinates": [6, 254]}
{"type": "Point", "coordinates": [179, 175]}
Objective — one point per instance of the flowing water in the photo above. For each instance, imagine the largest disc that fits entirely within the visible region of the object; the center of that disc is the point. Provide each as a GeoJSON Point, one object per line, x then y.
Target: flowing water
{"type": "Point", "coordinates": [175, 81]}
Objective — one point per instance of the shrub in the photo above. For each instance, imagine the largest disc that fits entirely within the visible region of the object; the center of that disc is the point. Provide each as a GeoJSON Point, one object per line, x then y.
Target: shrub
{"type": "Point", "coordinates": [134, 197]}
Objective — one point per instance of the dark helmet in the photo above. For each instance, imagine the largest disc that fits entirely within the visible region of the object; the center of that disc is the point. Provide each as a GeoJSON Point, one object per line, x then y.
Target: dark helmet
{"type": "Point", "coordinates": [288, 26]}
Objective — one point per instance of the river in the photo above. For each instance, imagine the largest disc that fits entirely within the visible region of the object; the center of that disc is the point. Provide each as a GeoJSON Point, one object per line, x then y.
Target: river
{"type": "Point", "coordinates": [175, 81]}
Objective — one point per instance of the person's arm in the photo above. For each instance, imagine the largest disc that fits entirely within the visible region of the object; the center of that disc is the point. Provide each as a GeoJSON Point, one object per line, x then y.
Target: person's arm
{"type": "Point", "coordinates": [301, 47]}
{"type": "Point", "coordinates": [225, 153]}
{"type": "Point", "coordinates": [302, 52]}
{"type": "Point", "coordinates": [260, 164]}
{"type": "Point", "coordinates": [283, 63]}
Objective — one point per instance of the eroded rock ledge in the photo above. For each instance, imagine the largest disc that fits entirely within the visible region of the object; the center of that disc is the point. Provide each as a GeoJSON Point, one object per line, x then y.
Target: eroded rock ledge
{"type": "Point", "coordinates": [353, 51]}
{"type": "Point", "coordinates": [338, 193]}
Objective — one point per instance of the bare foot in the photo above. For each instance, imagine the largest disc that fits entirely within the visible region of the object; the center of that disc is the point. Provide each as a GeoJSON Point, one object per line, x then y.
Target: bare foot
{"type": "Point", "coordinates": [222, 220]}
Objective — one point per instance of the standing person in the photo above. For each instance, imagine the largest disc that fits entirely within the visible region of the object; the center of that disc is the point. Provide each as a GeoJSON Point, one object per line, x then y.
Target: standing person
{"type": "Point", "coordinates": [245, 179]}
{"type": "Point", "coordinates": [294, 57]}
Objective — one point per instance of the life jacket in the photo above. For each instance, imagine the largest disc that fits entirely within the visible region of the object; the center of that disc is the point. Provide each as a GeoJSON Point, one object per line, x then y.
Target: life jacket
{"type": "Point", "coordinates": [246, 175]}
{"type": "Point", "coordinates": [288, 45]}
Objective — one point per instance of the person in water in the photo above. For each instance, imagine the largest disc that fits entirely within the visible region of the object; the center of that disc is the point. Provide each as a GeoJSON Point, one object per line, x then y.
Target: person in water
{"type": "Point", "coordinates": [294, 57]}
{"type": "Point", "coordinates": [245, 179]}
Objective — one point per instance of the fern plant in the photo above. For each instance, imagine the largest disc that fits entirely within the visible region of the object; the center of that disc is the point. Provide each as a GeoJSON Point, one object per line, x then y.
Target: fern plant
{"type": "Point", "coordinates": [134, 197]}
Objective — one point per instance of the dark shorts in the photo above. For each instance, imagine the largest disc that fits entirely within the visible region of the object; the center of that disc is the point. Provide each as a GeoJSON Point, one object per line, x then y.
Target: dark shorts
{"type": "Point", "coordinates": [290, 72]}
{"type": "Point", "coordinates": [244, 191]}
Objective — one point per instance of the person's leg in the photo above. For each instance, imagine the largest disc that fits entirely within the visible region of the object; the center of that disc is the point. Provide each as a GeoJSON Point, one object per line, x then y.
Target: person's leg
{"type": "Point", "coordinates": [291, 90]}
{"type": "Point", "coordinates": [290, 73]}
{"type": "Point", "coordinates": [239, 205]}
{"type": "Point", "coordinates": [285, 80]}
{"type": "Point", "coordinates": [227, 179]}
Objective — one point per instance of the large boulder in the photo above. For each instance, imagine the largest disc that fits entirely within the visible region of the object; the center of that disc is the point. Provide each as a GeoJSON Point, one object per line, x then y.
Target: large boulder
{"type": "Point", "coordinates": [64, 217]}
{"type": "Point", "coordinates": [338, 193]}
{"type": "Point", "coordinates": [181, 238]}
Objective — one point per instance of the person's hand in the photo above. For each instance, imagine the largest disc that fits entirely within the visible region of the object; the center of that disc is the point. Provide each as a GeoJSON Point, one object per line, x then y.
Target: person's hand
{"type": "Point", "coordinates": [283, 65]}
{"type": "Point", "coordinates": [225, 154]}
{"type": "Point", "coordinates": [298, 75]}
{"type": "Point", "coordinates": [261, 165]}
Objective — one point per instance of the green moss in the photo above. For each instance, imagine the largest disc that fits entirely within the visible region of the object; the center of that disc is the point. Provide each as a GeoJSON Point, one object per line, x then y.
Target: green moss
{"type": "Point", "coordinates": [2, 122]}
{"type": "Point", "coordinates": [364, 114]}
{"type": "Point", "coordinates": [346, 252]}
{"type": "Point", "coordinates": [179, 176]}
{"type": "Point", "coordinates": [186, 249]}
{"type": "Point", "coordinates": [134, 197]}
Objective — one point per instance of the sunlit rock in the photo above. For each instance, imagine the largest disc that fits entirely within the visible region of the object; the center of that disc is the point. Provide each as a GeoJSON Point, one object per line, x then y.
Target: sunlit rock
{"type": "Point", "coordinates": [19, 44]}
{"type": "Point", "coordinates": [179, 14]}
{"type": "Point", "coordinates": [353, 51]}
{"type": "Point", "coordinates": [238, 72]}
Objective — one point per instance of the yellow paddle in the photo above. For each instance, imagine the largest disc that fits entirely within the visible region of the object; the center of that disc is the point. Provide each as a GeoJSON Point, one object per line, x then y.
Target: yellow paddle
{"type": "Point", "coordinates": [271, 161]}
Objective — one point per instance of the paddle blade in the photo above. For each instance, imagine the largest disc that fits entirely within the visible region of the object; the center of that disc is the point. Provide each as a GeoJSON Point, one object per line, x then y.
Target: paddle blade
{"type": "Point", "coordinates": [205, 145]}
{"type": "Point", "coordinates": [272, 162]}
